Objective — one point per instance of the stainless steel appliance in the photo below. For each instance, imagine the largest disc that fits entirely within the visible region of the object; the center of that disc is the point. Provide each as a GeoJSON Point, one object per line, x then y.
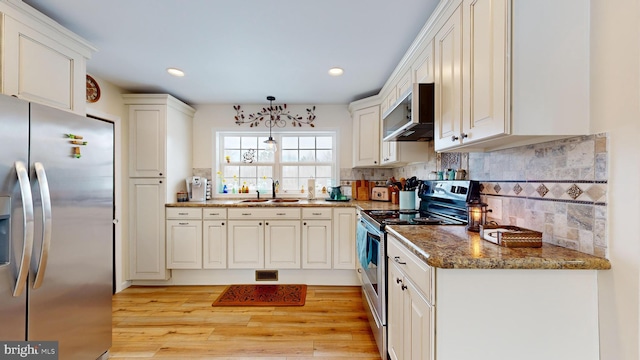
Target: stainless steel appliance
{"type": "Point", "coordinates": [441, 203]}
{"type": "Point", "coordinates": [56, 228]}
{"type": "Point", "coordinates": [411, 118]}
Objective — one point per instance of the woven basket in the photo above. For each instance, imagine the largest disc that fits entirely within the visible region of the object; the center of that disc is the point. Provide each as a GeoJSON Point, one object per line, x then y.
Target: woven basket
{"type": "Point", "coordinates": [511, 236]}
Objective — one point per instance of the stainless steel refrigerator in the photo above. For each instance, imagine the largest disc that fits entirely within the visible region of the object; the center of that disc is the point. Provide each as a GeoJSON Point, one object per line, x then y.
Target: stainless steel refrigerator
{"type": "Point", "coordinates": [56, 228]}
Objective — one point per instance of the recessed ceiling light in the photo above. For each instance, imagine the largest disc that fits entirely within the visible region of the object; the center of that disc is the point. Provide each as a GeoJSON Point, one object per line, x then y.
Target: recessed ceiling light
{"type": "Point", "coordinates": [175, 72]}
{"type": "Point", "coordinates": [336, 71]}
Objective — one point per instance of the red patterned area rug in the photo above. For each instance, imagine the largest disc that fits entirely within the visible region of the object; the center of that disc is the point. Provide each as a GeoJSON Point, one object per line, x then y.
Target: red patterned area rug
{"type": "Point", "coordinates": [262, 295]}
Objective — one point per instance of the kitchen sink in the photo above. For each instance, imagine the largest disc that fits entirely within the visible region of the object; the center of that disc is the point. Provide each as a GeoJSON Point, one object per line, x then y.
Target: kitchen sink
{"type": "Point", "coordinates": [254, 200]}
{"type": "Point", "coordinates": [284, 200]}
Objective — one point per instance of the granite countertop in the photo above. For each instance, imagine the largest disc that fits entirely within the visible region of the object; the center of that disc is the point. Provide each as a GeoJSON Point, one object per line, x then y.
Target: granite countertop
{"type": "Point", "coordinates": [452, 247]}
{"type": "Point", "coordinates": [363, 205]}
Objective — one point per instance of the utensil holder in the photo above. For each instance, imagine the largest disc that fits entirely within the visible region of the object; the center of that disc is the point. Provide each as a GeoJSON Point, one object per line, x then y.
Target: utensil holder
{"type": "Point", "coordinates": [407, 200]}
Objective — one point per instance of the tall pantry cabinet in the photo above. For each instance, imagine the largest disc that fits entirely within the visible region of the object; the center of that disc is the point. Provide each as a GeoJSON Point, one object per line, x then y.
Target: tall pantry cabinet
{"type": "Point", "coordinates": [160, 159]}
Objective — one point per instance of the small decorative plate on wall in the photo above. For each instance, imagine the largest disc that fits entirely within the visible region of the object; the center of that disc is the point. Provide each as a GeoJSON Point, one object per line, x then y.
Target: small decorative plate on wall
{"type": "Point", "coordinates": [93, 90]}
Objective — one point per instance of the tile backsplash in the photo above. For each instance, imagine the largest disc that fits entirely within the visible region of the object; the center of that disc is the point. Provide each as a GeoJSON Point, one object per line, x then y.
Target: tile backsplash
{"type": "Point", "coordinates": [558, 188]}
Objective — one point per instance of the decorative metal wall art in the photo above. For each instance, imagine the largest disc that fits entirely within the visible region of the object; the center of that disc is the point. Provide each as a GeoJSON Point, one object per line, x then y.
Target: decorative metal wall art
{"type": "Point", "coordinates": [274, 115]}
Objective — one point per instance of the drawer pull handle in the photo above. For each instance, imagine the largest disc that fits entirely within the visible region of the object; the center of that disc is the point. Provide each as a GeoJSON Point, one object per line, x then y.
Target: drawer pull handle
{"type": "Point", "coordinates": [397, 260]}
{"type": "Point", "coordinates": [214, 214]}
{"type": "Point", "coordinates": [183, 223]}
{"type": "Point", "coordinates": [246, 214]}
{"type": "Point", "coordinates": [281, 214]}
{"type": "Point", "coordinates": [183, 213]}
{"type": "Point", "coordinates": [316, 213]}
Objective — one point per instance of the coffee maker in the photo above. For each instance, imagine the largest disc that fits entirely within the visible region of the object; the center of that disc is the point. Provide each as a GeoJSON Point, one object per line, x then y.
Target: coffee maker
{"type": "Point", "coordinates": [197, 188]}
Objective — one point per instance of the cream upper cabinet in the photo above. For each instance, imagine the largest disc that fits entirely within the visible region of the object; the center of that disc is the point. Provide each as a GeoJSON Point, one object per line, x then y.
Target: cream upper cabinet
{"type": "Point", "coordinates": [448, 80]}
{"type": "Point", "coordinates": [484, 67]}
{"type": "Point", "coordinates": [504, 80]}
{"type": "Point", "coordinates": [147, 140]}
{"type": "Point", "coordinates": [42, 61]}
{"type": "Point", "coordinates": [404, 84]}
{"type": "Point", "coordinates": [389, 152]}
{"type": "Point", "coordinates": [160, 132]}
{"type": "Point", "coordinates": [366, 136]}
{"type": "Point", "coordinates": [423, 66]}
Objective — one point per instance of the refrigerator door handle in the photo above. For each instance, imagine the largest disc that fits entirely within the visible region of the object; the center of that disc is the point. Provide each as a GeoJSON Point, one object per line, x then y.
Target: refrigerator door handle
{"type": "Point", "coordinates": [41, 176]}
{"type": "Point", "coordinates": [27, 225]}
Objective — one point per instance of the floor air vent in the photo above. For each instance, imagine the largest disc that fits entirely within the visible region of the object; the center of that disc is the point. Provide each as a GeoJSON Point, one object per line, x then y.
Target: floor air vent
{"type": "Point", "coordinates": [266, 275]}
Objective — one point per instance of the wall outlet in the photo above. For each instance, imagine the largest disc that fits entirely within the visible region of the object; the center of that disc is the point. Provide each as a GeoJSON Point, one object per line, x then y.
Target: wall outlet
{"type": "Point", "coordinates": [495, 205]}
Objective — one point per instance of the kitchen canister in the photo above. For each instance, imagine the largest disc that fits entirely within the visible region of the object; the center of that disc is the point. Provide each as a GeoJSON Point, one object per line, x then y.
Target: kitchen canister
{"type": "Point", "coordinates": [407, 200]}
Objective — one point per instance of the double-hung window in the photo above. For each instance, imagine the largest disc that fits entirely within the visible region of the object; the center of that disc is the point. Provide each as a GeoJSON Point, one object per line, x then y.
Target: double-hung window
{"type": "Point", "coordinates": [243, 162]}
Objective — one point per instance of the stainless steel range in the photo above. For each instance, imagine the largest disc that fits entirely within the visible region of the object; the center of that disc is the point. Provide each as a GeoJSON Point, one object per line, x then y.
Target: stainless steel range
{"type": "Point", "coordinates": [441, 203]}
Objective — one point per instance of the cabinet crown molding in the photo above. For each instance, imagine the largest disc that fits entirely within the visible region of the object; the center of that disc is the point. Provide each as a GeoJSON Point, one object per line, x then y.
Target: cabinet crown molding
{"type": "Point", "coordinates": [40, 22]}
{"type": "Point", "coordinates": [158, 99]}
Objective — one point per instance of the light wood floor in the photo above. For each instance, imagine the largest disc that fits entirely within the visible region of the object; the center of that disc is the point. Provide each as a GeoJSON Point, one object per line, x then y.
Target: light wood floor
{"type": "Point", "coordinates": [178, 322]}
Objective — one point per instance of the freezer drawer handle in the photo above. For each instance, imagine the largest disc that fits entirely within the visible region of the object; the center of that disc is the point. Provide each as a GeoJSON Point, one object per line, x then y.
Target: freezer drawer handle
{"type": "Point", "coordinates": [27, 225]}
{"type": "Point", "coordinates": [41, 176]}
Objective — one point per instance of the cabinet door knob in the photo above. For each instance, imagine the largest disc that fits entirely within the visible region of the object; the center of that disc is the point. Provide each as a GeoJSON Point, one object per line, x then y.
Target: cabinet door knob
{"type": "Point", "coordinates": [398, 281]}
{"type": "Point", "coordinates": [222, 224]}
{"type": "Point", "coordinates": [260, 224]}
{"type": "Point", "coordinates": [464, 136]}
{"type": "Point", "coordinates": [404, 287]}
{"type": "Point", "coordinates": [454, 138]}
{"type": "Point", "coordinates": [160, 174]}
{"type": "Point", "coordinates": [304, 223]}
{"type": "Point", "coordinates": [266, 223]}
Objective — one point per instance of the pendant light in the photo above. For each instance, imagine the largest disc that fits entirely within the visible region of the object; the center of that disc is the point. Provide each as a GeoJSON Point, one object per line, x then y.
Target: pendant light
{"type": "Point", "coordinates": [272, 145]}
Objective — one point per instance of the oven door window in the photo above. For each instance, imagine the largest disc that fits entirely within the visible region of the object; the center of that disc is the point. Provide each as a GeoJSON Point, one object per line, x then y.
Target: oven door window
{"type": "Point", "coordinates": [373, 259]}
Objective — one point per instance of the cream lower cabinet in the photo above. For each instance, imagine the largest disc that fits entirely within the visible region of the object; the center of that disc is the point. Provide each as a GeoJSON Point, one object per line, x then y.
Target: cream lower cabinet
{"type": "Point", "coordinates": [214, 238]}
{"type": "Point", "coordinates": [282, 244]}
{"type": "Point", "coordinates": [147, 250]}
{"type": "Point", "coordinates": [453, 314]}
{"type": "Point", "coordinates": [344, 238]}
{"type": "Point", "coordinates": [410, 314]}
{"type": "Point", "coordinates": [316, 238]}
{"type": "Point", "coordinates": [261, 238]}
{"type": "Point", "coordinates": [246, 244]}
{"type": "Point", "coordinates": [184, 238]}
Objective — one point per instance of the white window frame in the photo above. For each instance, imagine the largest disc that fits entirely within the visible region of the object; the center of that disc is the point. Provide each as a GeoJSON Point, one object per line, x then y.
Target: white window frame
{"type": "Point", "coordinates": [218, 161]}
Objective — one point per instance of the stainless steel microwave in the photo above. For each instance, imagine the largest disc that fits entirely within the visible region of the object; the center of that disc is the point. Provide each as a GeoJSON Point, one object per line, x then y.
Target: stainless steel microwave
{"type": "Point", "coordinates": [411, 117]}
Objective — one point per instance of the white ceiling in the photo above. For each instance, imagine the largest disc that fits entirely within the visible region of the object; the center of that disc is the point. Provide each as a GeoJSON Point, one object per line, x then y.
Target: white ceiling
{"type": "Point", "coordinates": [241, 51]}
